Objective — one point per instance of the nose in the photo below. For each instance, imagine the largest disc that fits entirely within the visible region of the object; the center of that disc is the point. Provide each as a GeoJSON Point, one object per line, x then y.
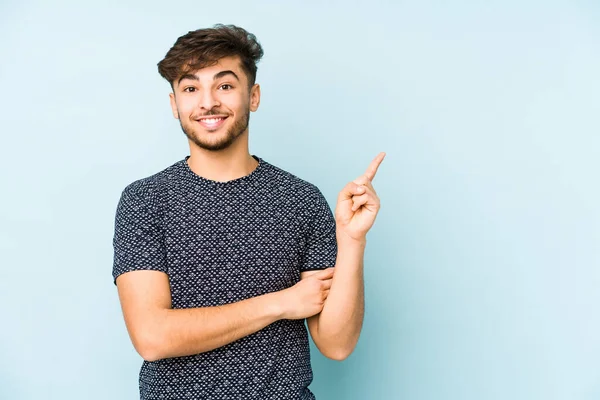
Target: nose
{"type": "Point", "coordinates": [208, 100]}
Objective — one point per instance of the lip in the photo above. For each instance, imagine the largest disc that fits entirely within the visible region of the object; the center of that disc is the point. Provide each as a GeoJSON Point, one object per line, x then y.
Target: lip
{"type": "Point", "coordinates": [212, 126]}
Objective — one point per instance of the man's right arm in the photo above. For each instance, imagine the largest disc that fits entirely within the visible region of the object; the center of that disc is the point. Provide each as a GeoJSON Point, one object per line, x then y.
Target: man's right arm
{"type": "Point", "coordinates": [158, 331]}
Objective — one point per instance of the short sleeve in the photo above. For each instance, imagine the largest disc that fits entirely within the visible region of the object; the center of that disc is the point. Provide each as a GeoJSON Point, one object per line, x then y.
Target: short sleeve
{"type": "Point", "coordinates": [321, 244]}
{"type": "Point", "coordinates": [138, 240]}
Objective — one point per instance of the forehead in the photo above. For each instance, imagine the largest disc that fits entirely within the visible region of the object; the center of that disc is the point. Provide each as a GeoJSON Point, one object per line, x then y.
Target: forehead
{"type": "Point", "coordinates": [231, 63]}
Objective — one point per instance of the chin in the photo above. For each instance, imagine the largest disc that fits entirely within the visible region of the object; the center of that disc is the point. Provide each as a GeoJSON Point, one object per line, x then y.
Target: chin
{"type": "Point", "coordinates": [215, 140]}
{"type": "Point", "coordinates": [212, 145]}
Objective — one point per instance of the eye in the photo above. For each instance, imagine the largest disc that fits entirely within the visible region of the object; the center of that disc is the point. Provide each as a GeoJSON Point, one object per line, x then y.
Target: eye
{"type": "Point", "coordinates": [226, 86]}
{"type": "Point", "coordinates": [189, 89]}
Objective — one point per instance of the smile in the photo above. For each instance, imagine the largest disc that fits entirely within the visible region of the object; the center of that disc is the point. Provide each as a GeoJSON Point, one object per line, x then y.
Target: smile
{"type": "Point", "coordinates": [212, 122]}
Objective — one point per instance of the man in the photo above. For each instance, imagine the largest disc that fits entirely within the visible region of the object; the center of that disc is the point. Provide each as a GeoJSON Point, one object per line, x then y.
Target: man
{"type": "Point", "coordinates": [221, 257]}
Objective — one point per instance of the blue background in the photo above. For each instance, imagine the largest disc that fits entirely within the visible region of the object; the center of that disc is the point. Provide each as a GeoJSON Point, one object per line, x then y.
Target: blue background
{"type": "Point", "coordinates": [482, 270]}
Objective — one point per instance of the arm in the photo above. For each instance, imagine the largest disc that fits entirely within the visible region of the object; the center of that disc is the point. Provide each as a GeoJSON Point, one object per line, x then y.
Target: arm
{"type": "Point", "coordinates": [337, 328]}
{"type": "Point", "coordinates": [157, 331]}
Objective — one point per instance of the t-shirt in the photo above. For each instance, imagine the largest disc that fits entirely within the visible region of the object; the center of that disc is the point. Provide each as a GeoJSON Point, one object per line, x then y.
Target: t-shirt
{"type": "Point", "coordinates": [220, 243]}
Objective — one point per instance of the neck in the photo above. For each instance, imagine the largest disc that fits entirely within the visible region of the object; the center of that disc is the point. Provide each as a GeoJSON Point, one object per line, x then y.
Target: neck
{"type": "Point", "coordinates": [221, 166]}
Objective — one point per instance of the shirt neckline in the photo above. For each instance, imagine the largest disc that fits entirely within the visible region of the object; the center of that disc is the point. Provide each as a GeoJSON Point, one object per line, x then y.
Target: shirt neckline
{"type": "Point", "coordinates": [188, 171]}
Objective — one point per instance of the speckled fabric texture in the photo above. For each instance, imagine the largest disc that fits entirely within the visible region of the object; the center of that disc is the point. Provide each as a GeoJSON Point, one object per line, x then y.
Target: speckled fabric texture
{"type": "Point", "coordinates": [219, 243]}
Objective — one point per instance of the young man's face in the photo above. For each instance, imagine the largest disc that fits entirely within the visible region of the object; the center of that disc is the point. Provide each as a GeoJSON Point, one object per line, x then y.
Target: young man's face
{"type": "Point", "coordinates": [213, 104]}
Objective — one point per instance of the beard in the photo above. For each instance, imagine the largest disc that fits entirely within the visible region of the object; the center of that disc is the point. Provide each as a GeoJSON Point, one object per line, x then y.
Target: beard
{"type": "Point", "coordinates": [223, 141]}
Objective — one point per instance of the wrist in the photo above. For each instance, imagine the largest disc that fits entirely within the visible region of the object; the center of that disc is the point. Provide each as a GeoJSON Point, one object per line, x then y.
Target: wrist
{"type": "Point", "coordinates": [345, 240]}
{"type": "Point", "coordinates": [275, 304]}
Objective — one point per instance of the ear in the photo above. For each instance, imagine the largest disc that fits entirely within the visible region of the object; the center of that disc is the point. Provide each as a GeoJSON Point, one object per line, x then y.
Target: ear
{"type": "Point", "coordinates": [173, 106]}
{"type": "Point", "coordinates": [254, 97]}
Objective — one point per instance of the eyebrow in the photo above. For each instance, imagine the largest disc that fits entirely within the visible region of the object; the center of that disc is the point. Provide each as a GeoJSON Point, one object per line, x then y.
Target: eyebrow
{"type": "Point", "coordinates": [218, 75]}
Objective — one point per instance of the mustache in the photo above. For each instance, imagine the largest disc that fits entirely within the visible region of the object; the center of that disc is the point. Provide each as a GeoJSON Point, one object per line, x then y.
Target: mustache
{"type": "Point", "coordinates": [209, 113]}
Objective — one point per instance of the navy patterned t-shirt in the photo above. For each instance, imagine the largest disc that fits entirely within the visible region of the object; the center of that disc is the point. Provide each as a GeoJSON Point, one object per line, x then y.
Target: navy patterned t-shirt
{"type": "Point", "coordinates": [220, 243]}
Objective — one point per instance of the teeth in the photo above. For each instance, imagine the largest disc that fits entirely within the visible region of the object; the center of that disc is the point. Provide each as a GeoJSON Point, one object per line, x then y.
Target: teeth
{"type": "Point", "coordinates": [212, 120]}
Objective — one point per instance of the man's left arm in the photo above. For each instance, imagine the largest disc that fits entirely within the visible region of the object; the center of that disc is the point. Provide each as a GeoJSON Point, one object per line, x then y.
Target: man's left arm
{"type": "Point", "coordinates": [337, 328]}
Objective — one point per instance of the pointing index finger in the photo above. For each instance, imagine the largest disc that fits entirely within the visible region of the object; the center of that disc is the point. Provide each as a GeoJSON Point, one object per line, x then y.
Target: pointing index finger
{"type": "Point", "coordinates": [372, 170]}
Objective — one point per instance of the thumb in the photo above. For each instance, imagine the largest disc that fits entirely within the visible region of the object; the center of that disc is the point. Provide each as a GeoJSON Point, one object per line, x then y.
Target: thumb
{"type": "Point", "coordinates": [326, 273]}
{"type": "Point", "coordinates": [350, 190]}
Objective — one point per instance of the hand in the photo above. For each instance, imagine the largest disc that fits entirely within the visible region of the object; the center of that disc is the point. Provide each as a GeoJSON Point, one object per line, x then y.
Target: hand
{"type": "Point", "coordinates": [307, 297]}
{"type": "Point", "coordinates": [358, 204]}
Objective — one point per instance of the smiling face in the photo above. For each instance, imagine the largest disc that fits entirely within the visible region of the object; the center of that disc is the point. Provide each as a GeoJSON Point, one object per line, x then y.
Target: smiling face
{"type": "Point", "coordinates": [213, 104]}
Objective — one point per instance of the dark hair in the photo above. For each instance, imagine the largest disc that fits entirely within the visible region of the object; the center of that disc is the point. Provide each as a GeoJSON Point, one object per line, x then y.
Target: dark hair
{"type": "Point", "coordinates": [204, 47]}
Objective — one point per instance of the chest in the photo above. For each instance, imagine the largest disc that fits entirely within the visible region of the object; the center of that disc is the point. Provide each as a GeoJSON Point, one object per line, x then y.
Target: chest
{"type": "Point", "coordinates": [223, 249]}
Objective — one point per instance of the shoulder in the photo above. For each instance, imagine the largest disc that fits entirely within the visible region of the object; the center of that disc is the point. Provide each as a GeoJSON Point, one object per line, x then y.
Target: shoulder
{"type": "Point", "coordinates": [290, 181]}
{"type": "Point", "coordinates": [149, 190]}
{"type": "Point", "coordinates": [286, 183]}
